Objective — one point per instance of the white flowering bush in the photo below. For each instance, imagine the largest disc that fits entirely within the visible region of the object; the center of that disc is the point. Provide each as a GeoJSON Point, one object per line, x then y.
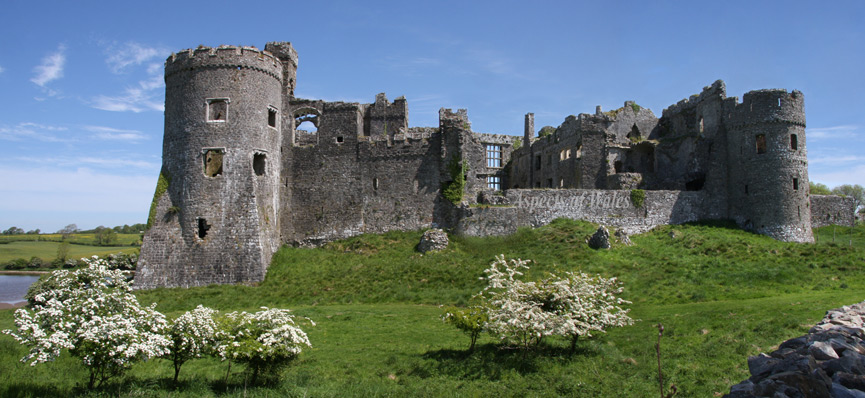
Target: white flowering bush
{"type": "Point", "coordinates": [192, 335]}
{"type": "Point", "coordinates": [572, 306]}
{"type": "Point", "coordinates": [92, 313]}
{"type": "Point", "coordinates": [265, 341]}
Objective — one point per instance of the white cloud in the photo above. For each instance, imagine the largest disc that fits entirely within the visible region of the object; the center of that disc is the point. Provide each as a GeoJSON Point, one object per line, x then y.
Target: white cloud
{"type": "Point", "coordinates": [113, 162]}
{"type": "Point", "coordinates": [836, 160]}
{"type": "Point", "coordinates": [122, 56]}
{"type": "Point", "coordinates": [32, 131]}
{"type": "Point", "coordinates": [51, 67]}
{"type": "Point", "coordinates": [2, 70]}
{"type": "Point", "coordinates": [108, 133]}
{"type": "Point", "coordinates": [145, 96]}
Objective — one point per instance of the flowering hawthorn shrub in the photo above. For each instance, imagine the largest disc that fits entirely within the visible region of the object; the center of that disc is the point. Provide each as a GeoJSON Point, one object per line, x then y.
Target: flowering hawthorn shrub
{"type": "Point", "coordinates": [92, 313]}
{"type": "Point", "coordinates": [573, 306]}
{"type": "Point", "coordinates": [265, 341]}
{"type": "Point", "coordinates": [192, 335]}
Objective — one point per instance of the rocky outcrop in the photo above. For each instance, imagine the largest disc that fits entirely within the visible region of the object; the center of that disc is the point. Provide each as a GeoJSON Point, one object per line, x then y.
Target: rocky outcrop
{"type": "Point", "coordinates": [601, 239]}
{"type": "Point", "coordinates": [827, 362]}
{"type": "Point", "coordinates": [433, 239]}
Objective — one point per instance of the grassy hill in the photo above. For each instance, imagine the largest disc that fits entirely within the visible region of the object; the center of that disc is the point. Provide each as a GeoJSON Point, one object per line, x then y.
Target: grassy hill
{"type": "Point", "coordinates": [721, 293]}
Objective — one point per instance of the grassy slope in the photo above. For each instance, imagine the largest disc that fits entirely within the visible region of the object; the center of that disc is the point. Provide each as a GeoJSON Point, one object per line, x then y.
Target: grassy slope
{"type": "Point", "coordinates": [722, 295]}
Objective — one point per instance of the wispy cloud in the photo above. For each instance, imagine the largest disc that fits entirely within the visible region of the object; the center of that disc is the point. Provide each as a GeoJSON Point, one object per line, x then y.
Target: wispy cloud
{"type": "Point", "coordinates": [123, 56]}
{"type": "Point", "coordinates": [32, 131]}
{"type": "Point", "coordinates": [838, 176]}
{"type": "Point", "coordinates": [108, 133]}
{"type": "Point", "coordinates": [77, 162]}
{"type": "Point", "coordinates": [836, 160]}
{"type": "Point", "coordinates": [832, 133]}
{"type": "Point", "coordinates": [2, 70]}
{"type": "Point", "coordinates": [51, 67]}
{"type": "Point", "coordinates": [144, 96]}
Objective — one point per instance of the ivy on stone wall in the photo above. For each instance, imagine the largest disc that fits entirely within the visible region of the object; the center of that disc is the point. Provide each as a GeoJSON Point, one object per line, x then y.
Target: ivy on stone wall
{"type": "Point", "coordinates": [161, 188]}
{"type": "Point", "coordinates": [638, 197]}
{"type": "Point", "coordinates": [453, 190]}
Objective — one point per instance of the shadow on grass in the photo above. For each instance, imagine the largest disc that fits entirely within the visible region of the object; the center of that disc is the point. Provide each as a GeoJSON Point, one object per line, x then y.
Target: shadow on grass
{"type": "Point", "coordinates": [491, 361]}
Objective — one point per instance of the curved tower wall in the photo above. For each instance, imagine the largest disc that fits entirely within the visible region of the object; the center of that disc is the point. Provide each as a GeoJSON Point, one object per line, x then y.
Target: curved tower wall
{"type": "Point", "coordinates": [768, 163]}
{"type": "Point", "coordinates": [222, 108]}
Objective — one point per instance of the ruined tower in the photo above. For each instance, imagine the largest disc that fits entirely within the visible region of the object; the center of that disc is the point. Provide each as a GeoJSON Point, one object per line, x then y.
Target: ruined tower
{"type": "Point", "coordinates": [221, 156]}
{"type": "Point", "coordinates": [768, 164]}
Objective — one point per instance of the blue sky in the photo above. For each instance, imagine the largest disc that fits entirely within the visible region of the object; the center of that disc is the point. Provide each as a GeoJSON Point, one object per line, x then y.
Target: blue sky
{"type": "Point", "coordinates": [82, 92]}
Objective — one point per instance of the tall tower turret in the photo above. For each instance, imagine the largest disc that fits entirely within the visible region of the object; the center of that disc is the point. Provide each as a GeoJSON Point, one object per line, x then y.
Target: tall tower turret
{"type": "Point", "coordinates": [768, 164]}
{"type": "Point", "coordinates": [218, 220]}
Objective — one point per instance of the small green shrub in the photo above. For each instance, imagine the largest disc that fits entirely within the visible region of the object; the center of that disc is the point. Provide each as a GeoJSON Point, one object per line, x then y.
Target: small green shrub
{"type": "Point", "coordinates": [638, 197]}
{"type": "Point", "coordinates": [453, 190]}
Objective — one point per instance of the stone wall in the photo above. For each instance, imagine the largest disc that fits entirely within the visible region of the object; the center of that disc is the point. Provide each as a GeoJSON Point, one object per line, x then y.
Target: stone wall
{"type": "Point", "coordinates": [832, 209]}
{"type": "Point", "coordinates": [536, 208]}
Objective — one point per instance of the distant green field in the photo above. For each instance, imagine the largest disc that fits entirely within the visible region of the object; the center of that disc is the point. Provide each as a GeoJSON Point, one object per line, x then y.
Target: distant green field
{"type": "Point", "coordinates": [81, 239]}
{"type": "Point", "coordinates": [47, 251]}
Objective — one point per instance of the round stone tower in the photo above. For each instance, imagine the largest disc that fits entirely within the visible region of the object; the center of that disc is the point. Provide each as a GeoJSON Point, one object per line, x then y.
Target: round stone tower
{"type": "Point", "coordinates": [768, 165]}
{"type": "Point", "coordinates": [218, 220]}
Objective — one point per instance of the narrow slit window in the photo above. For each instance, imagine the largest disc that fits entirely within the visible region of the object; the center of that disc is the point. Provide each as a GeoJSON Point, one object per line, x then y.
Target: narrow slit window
{"type": "Point", "coordinates": [271, 117]}
{"type": "Point", "coordinates": [761, 143]}
{"type": "Point", "coordinates": [538, 162]}
{"type": "Point", "coordinates": [794, 142]}
{"type": "Point", "coordinates": [259, 163]}
{"type": "Point", "coordinates": [795, 184]}
{"type": "Point", "coordinates": [375, 183]}
{"type": "Point", "coordinates": [213, 162]}
{"type": "Point", "coordinates": [217, 109]}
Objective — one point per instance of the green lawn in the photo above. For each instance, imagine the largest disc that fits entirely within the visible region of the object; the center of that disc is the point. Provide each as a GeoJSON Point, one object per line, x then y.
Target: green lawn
{"type": "Point", "coordinates": [47, 251]}
{"type": "Point", "coordinates": [721, 293]}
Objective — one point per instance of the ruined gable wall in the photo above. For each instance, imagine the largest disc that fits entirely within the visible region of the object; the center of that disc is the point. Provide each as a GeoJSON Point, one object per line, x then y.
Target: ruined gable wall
{"type": "Point", "coordinates": [692, 151]}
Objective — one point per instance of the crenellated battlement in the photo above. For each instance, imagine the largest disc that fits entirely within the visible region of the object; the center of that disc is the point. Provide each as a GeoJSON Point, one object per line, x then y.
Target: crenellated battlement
{"type": "Point", "coordinates": [225, 56]}
{"type": "Point", "coordinates": [769, 106]}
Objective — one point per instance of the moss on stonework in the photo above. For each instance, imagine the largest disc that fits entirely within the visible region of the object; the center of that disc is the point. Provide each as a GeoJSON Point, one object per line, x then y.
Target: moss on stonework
{"type": "Point", "coordinates": [638, 197]}
{"type": "Point", "coordinates": [635, 107]}
{"type": "Point", "coordinates": [161, 188]}
{"type": "Point", "coordinates": [453, 190]}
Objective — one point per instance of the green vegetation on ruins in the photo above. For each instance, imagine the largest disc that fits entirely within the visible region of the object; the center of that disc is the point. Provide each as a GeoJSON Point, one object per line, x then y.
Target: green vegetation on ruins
{"type": "Point", "coordinates": [722, 294]}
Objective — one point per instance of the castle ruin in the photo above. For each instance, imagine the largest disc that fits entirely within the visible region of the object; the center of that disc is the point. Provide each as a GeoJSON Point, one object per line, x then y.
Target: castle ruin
{"type": "Point", "coordinates": [243, 179]}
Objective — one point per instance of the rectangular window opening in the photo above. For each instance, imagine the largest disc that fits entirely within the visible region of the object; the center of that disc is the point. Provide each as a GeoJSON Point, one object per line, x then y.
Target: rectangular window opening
{"type": "Point", "coordinates": [213, 162]}
{"type": "Point", "coordinates": [494, 182]}
{"type": "Point", "coordinates": [795, 184]}
{"type": "Point", "coordinates": [761, 143]}
{"type": "Point", "coordinates": [271, 117]}
{"type": "Point", "coordinates": [494, 156]}
{"type": "Point", "coordinates": [259, 163]}
{"type": "Point", "coordinates": [203, 227]}
{"type": "Point", "coordinates": [538, 163]}
{"type": "Point", "coordinates": [549, 182]}
{"type": "Point", "coordinates": [794, 142]}
{"type": "Point", "coordinates": [339, 140]}
{"type": "Point", "coordinates": [217, 109]}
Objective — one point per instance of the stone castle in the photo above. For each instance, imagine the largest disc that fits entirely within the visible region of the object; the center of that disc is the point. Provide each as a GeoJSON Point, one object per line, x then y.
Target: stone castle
{"type": "Point", "coordinates": [242, 177]}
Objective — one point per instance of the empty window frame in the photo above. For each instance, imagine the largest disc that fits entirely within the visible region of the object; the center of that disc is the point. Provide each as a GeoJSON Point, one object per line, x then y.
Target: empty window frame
{"type": "Point", "coordinates": [259, 163]}
{"type": "Point", "coordinates": [794, 142]}
{"type": "Point", "coordinates": [494, 156]}
{"type": "Point", "coordinates": [203, 227]}
{"type": "Point", "coordinates": [213, 162]}
{"type": "Point", "coordinates": [538, 163]}
{"type": "Point", "coordinates": [217, 109]}
{"type": "Point", "coordinates": [271, 116]}
{"type": "Point", "coordinates": [494, 182]}
{"type": "Point", "coordinates": [795, 184]}
{"type": "Point", "coordinates": [761, 143]}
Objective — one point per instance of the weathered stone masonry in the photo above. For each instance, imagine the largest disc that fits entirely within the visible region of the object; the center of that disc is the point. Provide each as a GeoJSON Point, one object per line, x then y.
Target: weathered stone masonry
{"type": "Point", "coordinates": [244, 179]}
